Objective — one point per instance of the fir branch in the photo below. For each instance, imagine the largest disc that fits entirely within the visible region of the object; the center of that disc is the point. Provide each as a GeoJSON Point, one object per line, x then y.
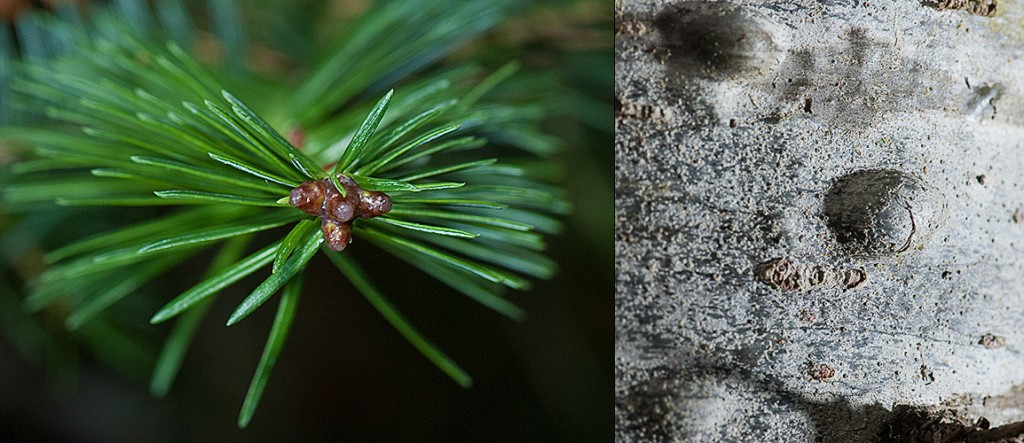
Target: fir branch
{"type": "Point", "coordinates": [132, 119]}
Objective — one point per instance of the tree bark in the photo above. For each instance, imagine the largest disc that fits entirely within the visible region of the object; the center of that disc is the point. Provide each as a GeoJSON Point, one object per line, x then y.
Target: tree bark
{"type": "Point", "coordinates": [820, 220]}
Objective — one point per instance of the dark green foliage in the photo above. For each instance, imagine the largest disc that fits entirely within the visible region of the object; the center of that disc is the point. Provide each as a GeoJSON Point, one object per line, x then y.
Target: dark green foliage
{"type": "Point", "coordinates": [130, 118]}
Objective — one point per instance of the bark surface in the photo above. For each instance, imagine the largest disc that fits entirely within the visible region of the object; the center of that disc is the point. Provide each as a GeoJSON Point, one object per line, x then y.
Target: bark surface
{"type": "Point", "coordinates": [819, 220]}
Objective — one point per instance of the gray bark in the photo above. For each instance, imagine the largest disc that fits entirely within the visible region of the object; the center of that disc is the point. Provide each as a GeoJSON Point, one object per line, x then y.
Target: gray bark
{"type": "Point", "coordinates": [876, 141]}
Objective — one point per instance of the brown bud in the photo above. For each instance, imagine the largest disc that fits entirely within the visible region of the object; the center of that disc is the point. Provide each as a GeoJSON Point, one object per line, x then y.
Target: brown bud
{"type": "Point", "coordinates": [337, 235]}
{"type": "Point", "coordinates": [347, 181]}
{"type": "Point", "coordinates": [308, 197]}
{"type": "Point", "coordinates": [352, 191]}
{"type": "Point", "coordinates": [373, 204]}
{"type": "Point", "coordinates": [323, 199]}
{"type": "Point", "coordinates": [340, 211]}
{"type": "Point", "coordinates": [337, 207]}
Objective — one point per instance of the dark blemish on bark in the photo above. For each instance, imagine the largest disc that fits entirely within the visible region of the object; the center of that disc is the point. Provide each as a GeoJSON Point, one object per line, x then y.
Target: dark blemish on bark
{"type": "Point", "coordinates": [630, 27]}
{"type": "Point", "coordinates": [732, 123]}
{"type": "Point", "coordinates": [650, 405]}
{"type": "Point", "coordinates": [322, 199]}
{"type": "Point", "coordinates": [916, 424]}
{"type": "Point", "coordinates": [982, 179]}
{"type": "Point", "coordinates": [859, 45]}
{"type": "Point", "coordinates": [986, 8]}
{"type": "Point", "coordinates": [854, 278]}
{"type": "Point", "coordinates": [982, 423]}
{"type": "Point", "coordinates": [821, 372]}
{"type": "Point", "coordinates": [1018, 216]}
{"type": "Point", "coordinates": [712, 39]}
{"type": "Point", "coordinates": [926, 375]}
{"type": "Point", "coordinates": [870, 211]}
{"type": "Point", "coordinates": [802, 61]}
{"type": "Point", "coordinates": [913, 228]}
{"type": "Point", "coordinates": [992, 341]}
{"type": "Point", "coordinates": [807, 316]}
{"type": "Point", "coordinates": [807, 105]}
{"type": "Point", "coordinates": [628, 109]}
{"type": "Point", "coordinates": [785, 275]}
{"type": "Point", "coordinates": [839, 76]}
{"type": "Point", "coordinates": [1005, 433]}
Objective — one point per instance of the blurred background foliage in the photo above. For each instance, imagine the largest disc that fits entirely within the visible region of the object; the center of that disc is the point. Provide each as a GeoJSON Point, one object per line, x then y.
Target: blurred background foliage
{"type": "Point", "coordinates": [344, 374]}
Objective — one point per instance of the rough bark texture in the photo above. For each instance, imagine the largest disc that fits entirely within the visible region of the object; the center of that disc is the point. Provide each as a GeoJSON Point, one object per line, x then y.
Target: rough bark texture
{"type": "Point", "coordinates": [886, 137]}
